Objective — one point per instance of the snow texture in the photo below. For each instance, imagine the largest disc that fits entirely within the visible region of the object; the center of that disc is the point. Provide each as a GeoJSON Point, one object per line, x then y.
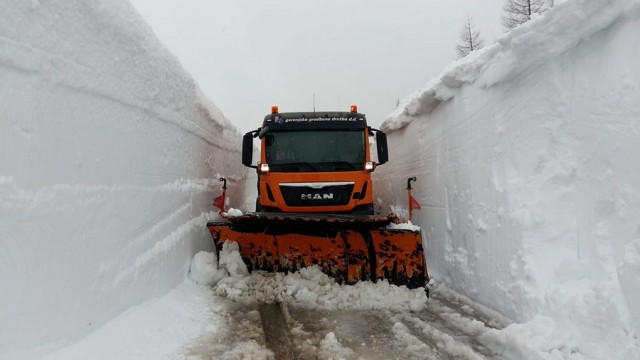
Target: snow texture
{"type": "Point", "coordinates": [153, 330]}
{"type": "Point", "coordinates": [527, 154]}
{"type": "Point", "coordinates": [308, 288]}
{"type": "Point", "coordinates": [109, 159]}
{"type": "Point", "coordinates": [403, 226]}
{"type": "Point", "coordinates": [233, 212]}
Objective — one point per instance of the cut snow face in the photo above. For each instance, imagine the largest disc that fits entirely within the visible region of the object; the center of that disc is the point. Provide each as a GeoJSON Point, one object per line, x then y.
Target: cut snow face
{"type": "Point", "coordinates": [308, 288]}
{"type": "Point", "coordinates": [108, 155]}
{"type": "Point", "coordinates": [527, 154]}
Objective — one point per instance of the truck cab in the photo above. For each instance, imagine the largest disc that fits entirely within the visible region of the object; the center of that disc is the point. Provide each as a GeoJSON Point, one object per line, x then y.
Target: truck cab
{"type": "Point", "coordinates": [315, 162]}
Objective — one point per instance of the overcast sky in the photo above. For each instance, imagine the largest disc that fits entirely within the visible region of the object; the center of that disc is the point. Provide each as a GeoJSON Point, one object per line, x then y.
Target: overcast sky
{"type": "Point", "coordinates": [248, 55]}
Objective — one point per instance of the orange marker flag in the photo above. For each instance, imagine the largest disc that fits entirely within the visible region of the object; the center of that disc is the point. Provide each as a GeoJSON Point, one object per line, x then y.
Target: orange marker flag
{"type": "Point", "coordinates": [219, 202]}
{"type": "Point", "coordinates": [414, 204]}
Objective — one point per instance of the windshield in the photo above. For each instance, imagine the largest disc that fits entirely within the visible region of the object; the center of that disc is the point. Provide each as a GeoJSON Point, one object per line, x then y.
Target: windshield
{"type": "Point", "coordinates": [328, 150]}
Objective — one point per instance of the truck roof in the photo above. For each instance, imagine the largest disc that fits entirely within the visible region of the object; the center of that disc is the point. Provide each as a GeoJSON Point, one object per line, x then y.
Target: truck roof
{"type": "Point", "coordinates": [319, 120]}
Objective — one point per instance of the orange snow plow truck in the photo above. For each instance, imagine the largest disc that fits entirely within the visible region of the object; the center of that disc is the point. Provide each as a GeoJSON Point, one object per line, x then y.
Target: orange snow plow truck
{"type": "Point", "coordinates": [315, 203]}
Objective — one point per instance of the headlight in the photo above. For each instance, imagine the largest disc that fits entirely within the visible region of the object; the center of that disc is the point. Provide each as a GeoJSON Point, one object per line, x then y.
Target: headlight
{"type": "Point", "coordinates": [263, 168]}
{"type": "Point", "coordinates": [369, 166]}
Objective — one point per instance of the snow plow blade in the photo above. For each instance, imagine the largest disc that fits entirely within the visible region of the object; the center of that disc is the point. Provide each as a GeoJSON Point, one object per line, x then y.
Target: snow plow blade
{"type": "Point", "coordinates": [348, 248]}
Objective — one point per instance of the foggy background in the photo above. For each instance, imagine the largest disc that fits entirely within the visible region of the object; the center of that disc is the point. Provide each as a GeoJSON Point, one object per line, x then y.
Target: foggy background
{"type": "Point", "coordinates": [248, 55]}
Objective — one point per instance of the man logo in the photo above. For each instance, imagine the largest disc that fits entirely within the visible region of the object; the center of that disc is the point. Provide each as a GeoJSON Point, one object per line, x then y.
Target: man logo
{"type": "Point", "coordinates": [317, 196]}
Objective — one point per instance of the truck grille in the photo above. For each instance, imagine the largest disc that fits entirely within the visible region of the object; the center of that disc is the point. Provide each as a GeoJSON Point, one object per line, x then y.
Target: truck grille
{"type": "Point", "coordinates": [316, 194]}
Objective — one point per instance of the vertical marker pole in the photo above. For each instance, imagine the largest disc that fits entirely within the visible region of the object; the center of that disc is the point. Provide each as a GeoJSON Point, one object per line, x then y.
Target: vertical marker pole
{"type": "Point", "coordinates": [409, 195]}
{"type": "Point", "coordinates": [224, 193]}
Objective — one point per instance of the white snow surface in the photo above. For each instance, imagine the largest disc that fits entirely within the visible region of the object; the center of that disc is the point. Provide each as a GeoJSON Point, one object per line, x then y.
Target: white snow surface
{"type": "Point", "coordinates": [178, 325]}
{"type": "Point", "coordinates": [308, 288]}
{"type": "Point", "coordinates": [158, 329]}
{"type": "Point", "coordinates": [192, 323]}
{"type": "Point", "coordinates": [233, 212]}
{"type": "Point", "coordinates": [527, 155]}
{"type": "Point", "coordinates": [403, 226]}
{"type": "Point", "coordinates": [109, 159]}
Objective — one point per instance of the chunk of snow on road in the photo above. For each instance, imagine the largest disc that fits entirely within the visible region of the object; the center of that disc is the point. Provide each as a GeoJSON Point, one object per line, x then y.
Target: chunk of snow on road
{"type": "Point", "coordinates": [231, 261]}
{"type": "Point", "coordinates": [310, 288]}
{"type": "Point", "coordinates": [332, 349]}
{"type": "Point", "coordinates": [204, 269]}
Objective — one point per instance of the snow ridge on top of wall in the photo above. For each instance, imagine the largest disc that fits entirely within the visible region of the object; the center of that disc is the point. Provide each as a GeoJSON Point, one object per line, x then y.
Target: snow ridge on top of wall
{"type": "Point", "coordinates": [134, 57]}
{"type": "Point", "coordinates": [529, 45]}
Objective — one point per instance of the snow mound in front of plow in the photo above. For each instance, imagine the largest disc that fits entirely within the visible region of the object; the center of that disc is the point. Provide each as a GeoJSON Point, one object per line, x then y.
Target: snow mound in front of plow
{"type": "Point", "coordinates": [308, 288]}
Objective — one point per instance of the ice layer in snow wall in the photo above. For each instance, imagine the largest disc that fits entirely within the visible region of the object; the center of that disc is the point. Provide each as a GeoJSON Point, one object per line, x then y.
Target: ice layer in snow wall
{"type": "Point", "coordinates": [109, 159]}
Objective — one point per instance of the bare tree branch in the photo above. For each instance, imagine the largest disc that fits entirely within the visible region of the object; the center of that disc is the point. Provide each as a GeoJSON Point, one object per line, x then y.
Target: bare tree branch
{"type": "Point", "coordinates": [517, 12]}
{"type": "Point", "coordinates": [470, 39]}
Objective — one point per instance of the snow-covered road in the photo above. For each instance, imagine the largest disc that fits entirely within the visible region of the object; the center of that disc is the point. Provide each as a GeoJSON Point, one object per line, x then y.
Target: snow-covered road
{"type": "Point", "coordinates": [193, 322]}
{"type": "Point", "coordinates": [445, 329]}
{"type": "Point", "coordinates": [232, 314]}
{"type": "Point", "coordinates": [438, 332]}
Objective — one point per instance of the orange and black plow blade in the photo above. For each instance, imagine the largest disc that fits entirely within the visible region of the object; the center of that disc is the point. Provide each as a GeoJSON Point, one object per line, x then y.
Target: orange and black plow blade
{"type": "Point", "coordinates": [349, 250]}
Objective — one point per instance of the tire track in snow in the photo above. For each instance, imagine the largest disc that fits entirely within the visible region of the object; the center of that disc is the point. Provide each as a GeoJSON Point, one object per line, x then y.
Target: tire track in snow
{"type": "Point", "coordinates": [457, 325]}
{"type": "Point", "coordinates": [343, 334]}
{"type": "Point", "coordinates": [447, 343]}
{"type": "Point", "coordinates": [439, 332]}
{"type": "Point", "coordinates": [236, 332]}
{"type": "Point", "coordinates": [415, 343]}
{"type": "Point", "coordinates": [450, 301]}
{"type": "Point", "coordinates": [276, 331]}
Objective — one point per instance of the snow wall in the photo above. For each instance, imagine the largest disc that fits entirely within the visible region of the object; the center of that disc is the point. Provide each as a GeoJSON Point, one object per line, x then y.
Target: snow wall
{"type": "Point", "coordinates": [527, 155]}
{"type": "Point", "coordinates": [109, 159]}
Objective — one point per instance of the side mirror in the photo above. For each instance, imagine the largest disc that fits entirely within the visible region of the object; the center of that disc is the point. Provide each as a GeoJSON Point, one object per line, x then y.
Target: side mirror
{"type": "Point", "coordinates": [247, 149]}
{"type": "Point", "coordinates": [383, 150]}
{"type": "Point", "coordinates": [263, 132]}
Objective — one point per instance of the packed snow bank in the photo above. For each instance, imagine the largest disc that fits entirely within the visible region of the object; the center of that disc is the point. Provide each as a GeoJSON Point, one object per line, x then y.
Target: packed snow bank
{"type": "Point", "coordinates": [308, 288]}
{"type": "Point", "coordinates": [160, 329]}
{"type": "Point", "coordinates": [528, 165]}
{"type": "Point", "coordinates": [109, 159]}
{"type": "Point", "coordinates": [187, 323]}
